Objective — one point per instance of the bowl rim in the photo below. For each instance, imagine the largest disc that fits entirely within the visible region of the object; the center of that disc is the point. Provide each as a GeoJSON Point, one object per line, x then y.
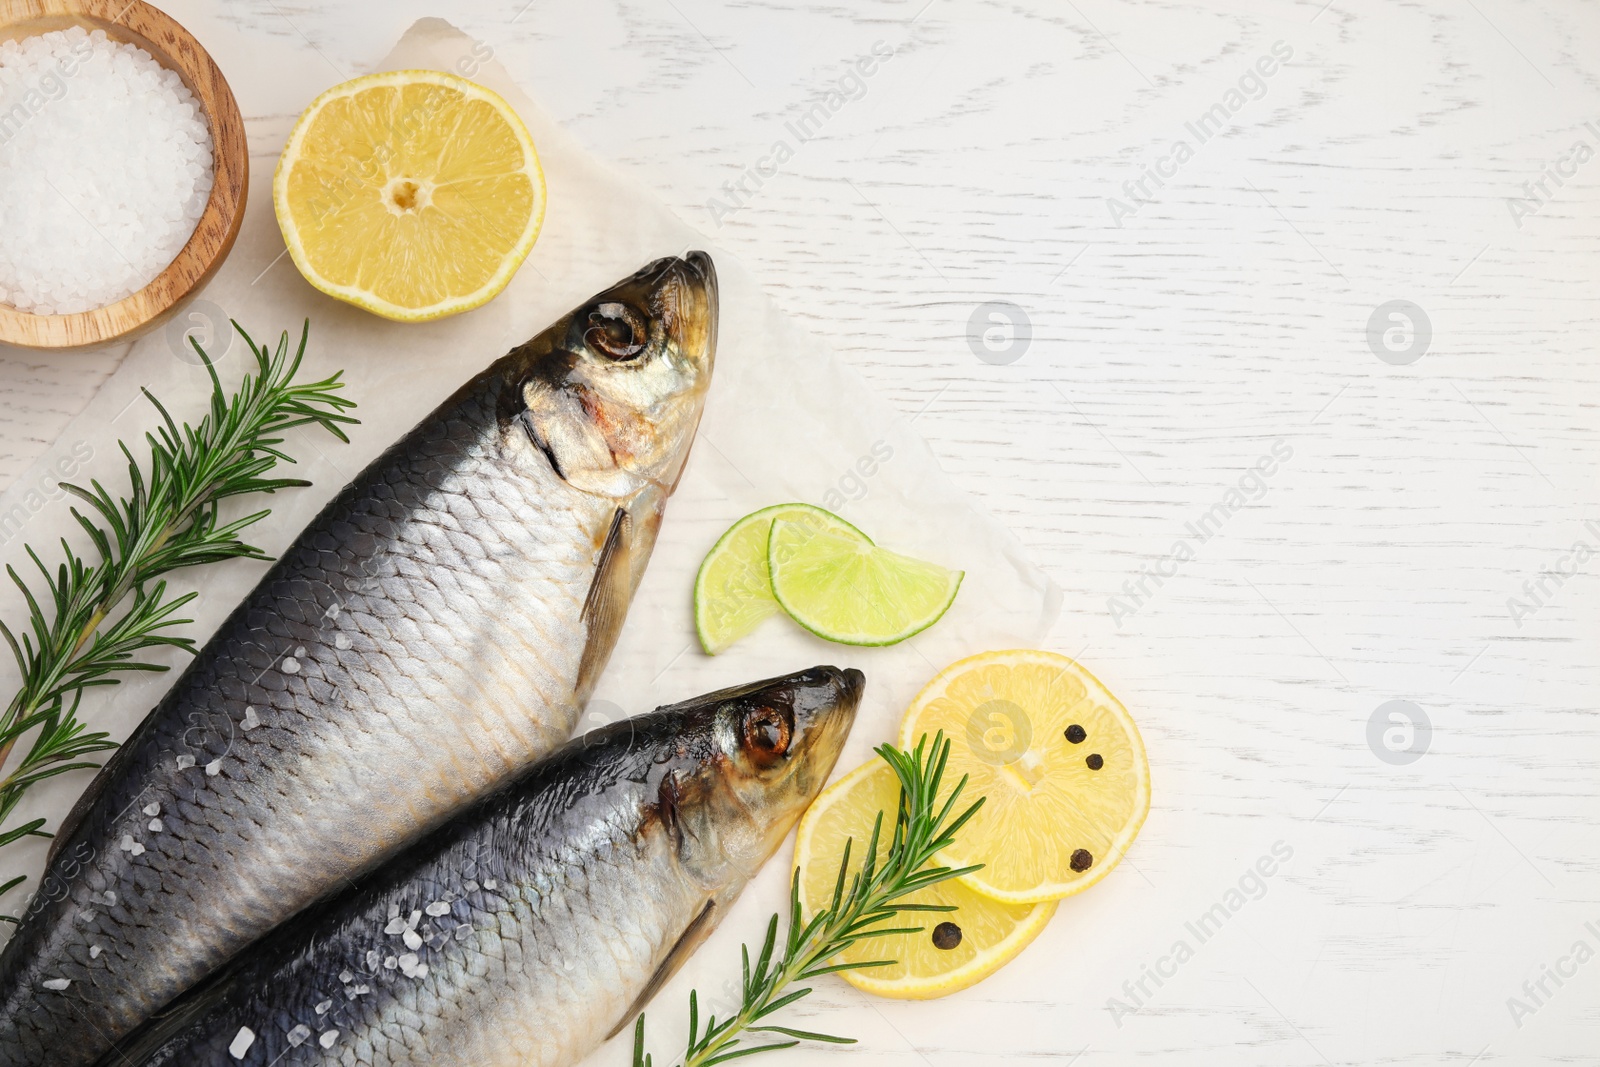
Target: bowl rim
{"type": "Point", "coordinates": [178, 50]}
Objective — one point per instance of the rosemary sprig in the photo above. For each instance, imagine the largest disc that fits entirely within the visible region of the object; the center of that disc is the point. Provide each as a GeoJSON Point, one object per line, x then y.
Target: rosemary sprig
{"type": "Point", "coordinates": [71, 641]}
{"type": "Point", "coordinates": [862, 903]}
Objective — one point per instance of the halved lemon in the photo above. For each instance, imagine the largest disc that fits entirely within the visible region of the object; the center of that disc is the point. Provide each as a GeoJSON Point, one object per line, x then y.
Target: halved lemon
{"type": "Point", "coordinates": [1059, 760]}
{"type": "Point", "coordinates": [733, 589]}
{"type": "Point", "coordinates": [413, 193]}
{"type": "Point", "coordinates": [955, 949]}
{"type": "Point", "coordinates": [840, 586]}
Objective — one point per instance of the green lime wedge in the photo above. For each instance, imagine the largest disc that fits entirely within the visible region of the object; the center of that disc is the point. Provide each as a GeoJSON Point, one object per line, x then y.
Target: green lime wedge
{"type": "Point", "coordinates": [840, 586]}
{"type": "Point", "coordinates": [732, 592]}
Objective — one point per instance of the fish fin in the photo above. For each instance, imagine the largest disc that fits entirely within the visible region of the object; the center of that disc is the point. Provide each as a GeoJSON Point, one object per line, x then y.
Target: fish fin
{"type": "Point", "coordinates": [607, 603]}
{"type": "Point", "coordinates": [692, 938]}
{"type": "Point", "coordinates": [91, 796]}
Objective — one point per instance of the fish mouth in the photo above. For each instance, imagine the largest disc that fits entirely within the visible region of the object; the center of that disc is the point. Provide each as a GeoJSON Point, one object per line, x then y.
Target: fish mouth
{"type": "Point", "coordinates": [684, 291]}
{"type": "Point", "coordinates": [700, 263]}
{"type": "Point", "coordinates": [821, 703]}
{"type": "Point", "coordinates": [697, 275]}
{"type": "Point", "coordinates": [685, 288]}
{"type": "Point", "coordinates": [843, 686]}
{"type": "Point", "coordinates": [824, 701]}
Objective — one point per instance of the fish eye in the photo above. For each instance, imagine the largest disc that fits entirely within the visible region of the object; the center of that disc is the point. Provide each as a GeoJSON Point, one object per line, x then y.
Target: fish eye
{"type": "Point", "coordinates": [766, 733]}
{"type": "Point", "coordinates": [616, 331]}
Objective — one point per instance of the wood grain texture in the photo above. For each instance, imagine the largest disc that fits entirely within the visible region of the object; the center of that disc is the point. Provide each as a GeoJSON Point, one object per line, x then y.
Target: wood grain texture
{"type": "Point", "coordinates": [137, 23]}
{"type": "Point", "coordinates": [1381, 161]}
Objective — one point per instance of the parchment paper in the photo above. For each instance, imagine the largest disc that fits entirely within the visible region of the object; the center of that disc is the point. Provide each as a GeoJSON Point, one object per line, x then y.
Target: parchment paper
{"type": "Point", "coordinates": [784, 421]}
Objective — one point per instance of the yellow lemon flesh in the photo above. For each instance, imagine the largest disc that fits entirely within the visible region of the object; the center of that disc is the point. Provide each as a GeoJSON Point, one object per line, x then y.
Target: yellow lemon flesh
{"type": "Point", "coordinates": [1059, 761]}
{"type": "Point", "coordinates": [956, 949]}
{"type": "Point", "coordinates": [414, 194]}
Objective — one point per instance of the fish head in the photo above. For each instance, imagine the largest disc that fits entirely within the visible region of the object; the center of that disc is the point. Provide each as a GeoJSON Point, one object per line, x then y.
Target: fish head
{"type": "Point", "coordinates": [760, 754]}
{"type": "Point", "coordinates": [612, 393]}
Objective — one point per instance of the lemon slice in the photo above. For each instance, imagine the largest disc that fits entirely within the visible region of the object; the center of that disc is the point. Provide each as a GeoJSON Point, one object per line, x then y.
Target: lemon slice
{"type": "Point", "coordinates": [414, 194]}
{"type": "Point", "coordinates": [733, 590]}
{"type": "Point", "coordinates": [1059, 761]}
{"type": "Point", "coordinates": [840, 586]}
{"type": "Point", "coordinates": [955, 949]}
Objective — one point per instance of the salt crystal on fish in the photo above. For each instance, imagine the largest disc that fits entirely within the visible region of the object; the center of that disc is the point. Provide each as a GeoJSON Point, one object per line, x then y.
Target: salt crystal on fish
{"type": "Point", "coordinates": [322, 1009]}
{"type": "Point", "coordinates": [250, 721]}
{"type": "Point", "coordinates": [346, 977]}
{"type": "Point", "coordinates": [299, 1035]}
{"type": "Point", "coordinates": [342, 642]}
{"type": "Point", "coordinates": [57, 984]}
{"type": "Point", "coordinates": [214, 768]}
{"type": "Point", "coordinates": [94, 952]}
{"type": "Point", "coordinates": [153, 808]}
{"type": "Point", "coordinates": [437, 908]}
{"type": "Point", "coordinates": [242, 1042]}
{"type": "Point", "coordinates": [327, 1039]}
{"type": "Point", "coordinates": [156, 826]}
{"type": "Point", "coordinates": [185, 762]}
{"type": "Point", "coordinates": [412, 940]}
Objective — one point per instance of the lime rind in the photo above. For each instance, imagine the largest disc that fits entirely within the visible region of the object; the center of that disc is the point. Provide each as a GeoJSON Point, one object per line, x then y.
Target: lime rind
{"type": "Point", "coordinates": [870, 578]}
{"type": "Point", "coordinates": [733, 588]}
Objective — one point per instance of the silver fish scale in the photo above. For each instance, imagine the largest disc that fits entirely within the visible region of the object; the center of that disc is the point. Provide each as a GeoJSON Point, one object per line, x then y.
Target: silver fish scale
{"type": "Point", "coordinates": [553, 955]}
{"type": "Point", "coordinates": [392, 670]}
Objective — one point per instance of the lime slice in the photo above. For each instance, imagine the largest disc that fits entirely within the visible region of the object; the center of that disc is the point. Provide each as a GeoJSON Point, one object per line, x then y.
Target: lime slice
{"type": "Point", "coordinates": [842, 587]}
{"type": "Point", "coordinates": [732, 592]}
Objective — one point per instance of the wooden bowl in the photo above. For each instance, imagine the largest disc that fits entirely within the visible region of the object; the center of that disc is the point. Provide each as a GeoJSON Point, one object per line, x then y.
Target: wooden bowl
{"type": "Point", "coordinates": [136, 22]}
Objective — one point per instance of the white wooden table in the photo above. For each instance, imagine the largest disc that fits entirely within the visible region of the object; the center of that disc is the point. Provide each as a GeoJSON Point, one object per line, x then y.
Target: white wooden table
{"type": "Point", "coordinates": [1424, 472]}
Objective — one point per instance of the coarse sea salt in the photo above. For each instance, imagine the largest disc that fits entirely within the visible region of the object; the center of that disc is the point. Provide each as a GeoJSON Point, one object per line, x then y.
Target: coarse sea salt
{"type": "Point", "coordinates": [105, 170]}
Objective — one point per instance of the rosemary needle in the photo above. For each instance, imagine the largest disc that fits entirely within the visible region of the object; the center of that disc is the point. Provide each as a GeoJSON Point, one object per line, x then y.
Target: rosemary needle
{"type": "Point", "coordinates": [102, 610]}
{"type": "Point", "coordinates": [864, 901]}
